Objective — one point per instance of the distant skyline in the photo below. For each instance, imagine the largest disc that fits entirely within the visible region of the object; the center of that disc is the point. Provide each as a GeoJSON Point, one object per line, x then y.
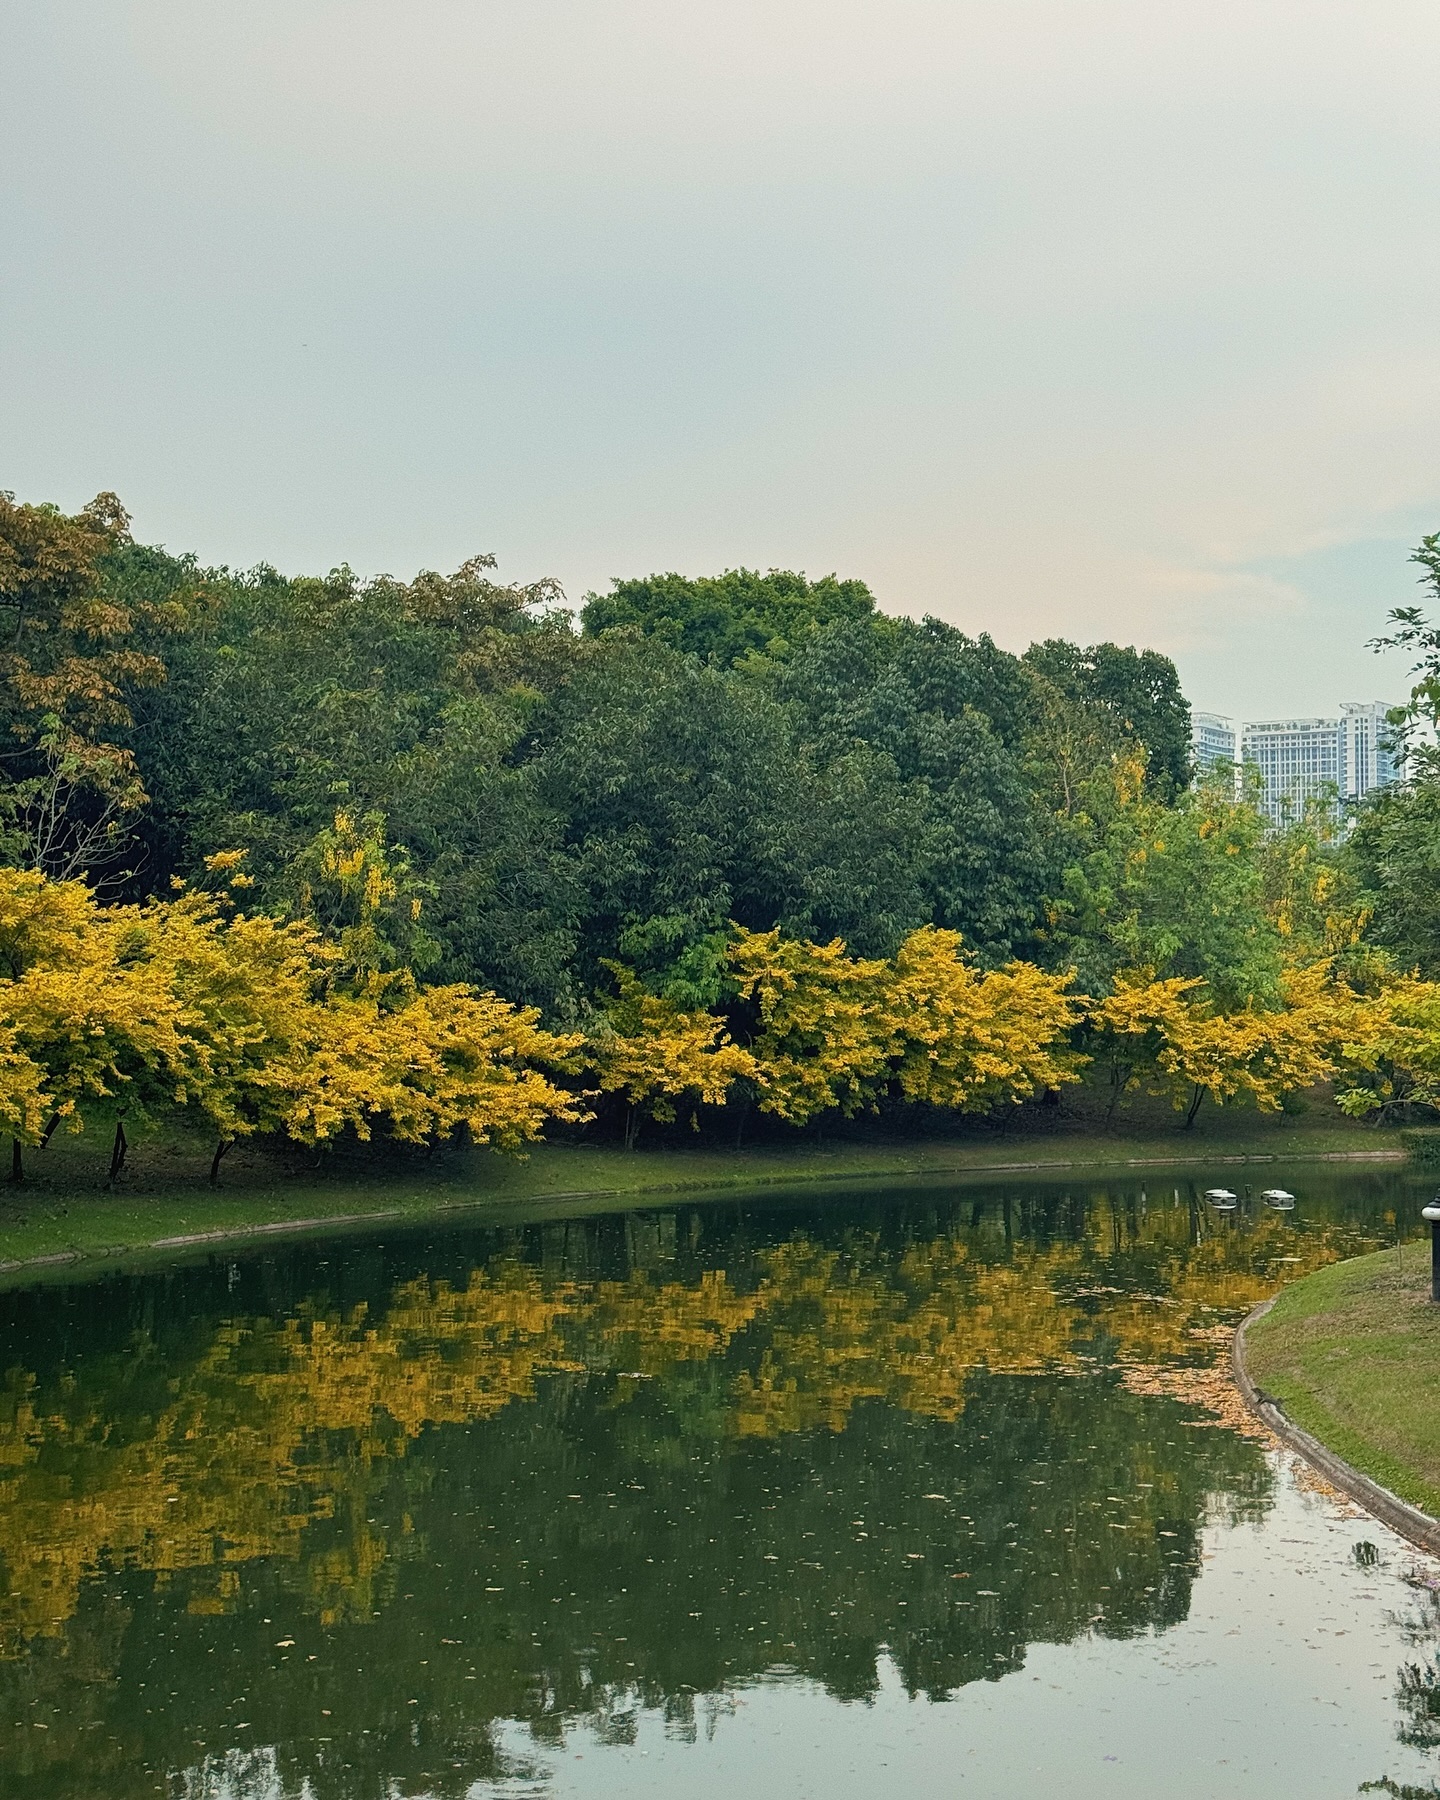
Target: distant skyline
{"type": "Point", "coordinates": [1095, 319]}
{"type": "Point", "coordinates": [1324, 712]}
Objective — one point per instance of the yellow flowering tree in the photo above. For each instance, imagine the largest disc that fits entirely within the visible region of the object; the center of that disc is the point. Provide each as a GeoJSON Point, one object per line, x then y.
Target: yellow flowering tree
{"type": "Point", "coordinates": [449, 1059]}
{"type": "Point", "coordinates": [1306, 1040]}
{"type": "Point", "coordinates": [289, 1057]}
{"type": "Point", "coordinates": [1143, 1023]}
{"type": "Point", "coordinates": [89, 1004]}
{"type": "Point", "coordinates": [841, 1032]}
{"type": "Point", "coordinates": [1310, 893]}
{"type": "Point", "coordinates": [1190, 1048]}
{"type": "Point", "coordinates": [254, 990]}
{"type": "Point", "coordinates": [1392, 1055]}
{"type": "Point", "coordinates": [185, 1008]}
{"type": "Point", "coordinates": [655, 1052]}
{"type": "Point", "coordinates": [361, 891]}
{"type": "Point", "coordinates": [971, 1040]}
{"type": "Point", "coordinates": [825, 1038]}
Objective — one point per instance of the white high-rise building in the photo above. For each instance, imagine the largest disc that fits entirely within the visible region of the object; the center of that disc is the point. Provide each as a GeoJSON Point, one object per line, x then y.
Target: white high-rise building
{"type": "Point", "coordinates": [1213, 739]}
{"type": "Point", "coordinates": [1305, 759]}
{"type": "Point", "coordinates": [1365, 761]}
{"type": "Point", "coordinates": [1298, 760]}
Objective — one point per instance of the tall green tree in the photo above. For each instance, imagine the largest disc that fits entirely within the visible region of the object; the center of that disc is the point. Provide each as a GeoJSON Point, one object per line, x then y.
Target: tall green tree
{"type": "Point", "coordinates": [1177, 890]}
{"type": "Point", "coordinates": [949, 717]}
{"type": "Point", "coordinates": [1138, 689]}
{"type": "Point", "coordinates": [1393, 852]}
{"type": "Point", "coordinates": [724, 618]}
{"type": "Point", "coordinates": [291, 700]}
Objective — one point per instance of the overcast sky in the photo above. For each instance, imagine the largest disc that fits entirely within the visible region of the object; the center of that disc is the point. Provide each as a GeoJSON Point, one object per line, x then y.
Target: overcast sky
{"type": "Point", "coordinates": [1094, 318]}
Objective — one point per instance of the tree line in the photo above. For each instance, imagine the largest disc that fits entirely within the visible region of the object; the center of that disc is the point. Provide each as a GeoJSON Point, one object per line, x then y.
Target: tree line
{"type": "Point", "coordinates": [310, 857]}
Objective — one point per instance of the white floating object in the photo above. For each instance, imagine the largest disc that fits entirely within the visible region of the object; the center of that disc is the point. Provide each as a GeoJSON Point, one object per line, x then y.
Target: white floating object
{"type": "Point", "coordinates": [1221, 1197]}
{"type": "Point", "coordinates": [1280, 1197]}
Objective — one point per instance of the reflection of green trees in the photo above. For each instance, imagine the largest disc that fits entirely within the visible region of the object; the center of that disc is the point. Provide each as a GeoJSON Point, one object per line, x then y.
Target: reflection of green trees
{"type": "Point", "coordinates": [1418, 1687]}
{"type": "Point", "coordinates": [683, 1567]}
{"type": "Point", "coordinates": [796, 1442]}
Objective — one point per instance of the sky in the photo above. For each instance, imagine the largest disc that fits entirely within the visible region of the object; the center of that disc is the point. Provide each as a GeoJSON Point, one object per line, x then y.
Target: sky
{"type": "Point", "coordinates": [1082, 318]}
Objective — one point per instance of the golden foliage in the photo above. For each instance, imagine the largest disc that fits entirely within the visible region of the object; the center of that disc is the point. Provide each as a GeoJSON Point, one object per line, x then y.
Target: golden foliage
{"type": "Point", "coordinates": [825, 1038]}
{"type": "Point", "coordinates": [448, 1058]}
{"type": "Point", "coordinates": [1392, 1053]}
{"type": "Point", "coordinates": [969, 1040]}
{"type": "Point", "coordinates": [653, 1051]}
{"type": "Point", "coordinates": [841, 1031]}
{"type": "Point", "coordinates": [1191, 1048]}
{"type": "Point", "coordinates": [183, 1006]}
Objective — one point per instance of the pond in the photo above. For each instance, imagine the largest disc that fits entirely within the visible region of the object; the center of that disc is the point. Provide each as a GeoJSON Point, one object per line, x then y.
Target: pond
{"type": "Point", "coordinates": [813, 1493]}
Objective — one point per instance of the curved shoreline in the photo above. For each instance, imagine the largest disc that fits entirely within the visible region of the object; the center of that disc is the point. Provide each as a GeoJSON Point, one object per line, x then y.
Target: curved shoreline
{"type": "Point", "coordinates": [1406, 1521]}
{"type": "Point", "coordinates": [662, 1191]}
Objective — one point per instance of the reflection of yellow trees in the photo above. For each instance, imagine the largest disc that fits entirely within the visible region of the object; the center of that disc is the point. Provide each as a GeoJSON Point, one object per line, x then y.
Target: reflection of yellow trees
{"type": "Point", "coordinates": [657, 1326]}
{"type": "Point", "coordinates": [276, 1426]}
{"type": "Point", "coordinates": [843, 1329]}
{"type": "Point", "coordinates": [443, 1356]}
{"type": "Point", "coordinates": [270, 1431]}
{"type": "Point", "coordinates": [1208, 1278]}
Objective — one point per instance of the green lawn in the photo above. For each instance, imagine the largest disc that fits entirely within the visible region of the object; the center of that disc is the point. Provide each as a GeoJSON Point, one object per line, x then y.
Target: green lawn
{"type": "Point", "coordinates": [1353, 1354]}
{"type": "Point", "coordinates": [64, 1209]}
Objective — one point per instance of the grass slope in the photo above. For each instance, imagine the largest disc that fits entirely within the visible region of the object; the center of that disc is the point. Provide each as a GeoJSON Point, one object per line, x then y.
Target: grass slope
{"type": "Point", "coordinates": [64, 1210]}
{"type": "Point", "coordinates": [1353, 1354]}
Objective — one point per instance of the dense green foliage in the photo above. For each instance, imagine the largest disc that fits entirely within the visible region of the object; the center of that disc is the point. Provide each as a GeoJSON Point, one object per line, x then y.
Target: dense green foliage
{"type": "Point", "coordinates": [725, 618]}
{"type": "Point", "coordinates": [456, 785]}
{"type": "Point", "coordinates": [754, 748]}
{"type": "Point", "coordinates": [1394, 850]}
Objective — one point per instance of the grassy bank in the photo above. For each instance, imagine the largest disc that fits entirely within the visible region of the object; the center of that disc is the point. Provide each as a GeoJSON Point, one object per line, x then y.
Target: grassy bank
{"type": "Point", "coordinates": [1353, 1354]}
{"type": "Point", "coordinates": [64, 1209]}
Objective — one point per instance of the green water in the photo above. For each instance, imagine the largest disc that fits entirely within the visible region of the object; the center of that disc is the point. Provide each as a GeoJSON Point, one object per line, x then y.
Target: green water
{"type": "Point", "coordinates": [842, 1494]}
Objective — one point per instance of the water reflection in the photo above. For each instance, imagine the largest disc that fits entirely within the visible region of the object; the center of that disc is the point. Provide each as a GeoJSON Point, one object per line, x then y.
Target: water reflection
{"type": "Point", "coordinates": [336, 1516]}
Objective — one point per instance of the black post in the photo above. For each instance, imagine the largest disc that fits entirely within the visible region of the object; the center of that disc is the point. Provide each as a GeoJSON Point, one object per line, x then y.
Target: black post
{"type": "Point", "coordinates": [1435, 1260]}
{"type": "Point", "coordinates": [1431, 1214]}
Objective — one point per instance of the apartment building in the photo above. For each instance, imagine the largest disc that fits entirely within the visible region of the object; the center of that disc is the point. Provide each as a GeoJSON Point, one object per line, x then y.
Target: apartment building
{"type": "Point", "coordinates": [1303, 759]}
{"type": "Point", "coordinates": [1213, 740]}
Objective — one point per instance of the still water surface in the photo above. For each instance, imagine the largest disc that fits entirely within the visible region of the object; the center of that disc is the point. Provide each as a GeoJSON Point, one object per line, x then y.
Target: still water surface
{"type": "Point", "coordinates": [832, 1495]}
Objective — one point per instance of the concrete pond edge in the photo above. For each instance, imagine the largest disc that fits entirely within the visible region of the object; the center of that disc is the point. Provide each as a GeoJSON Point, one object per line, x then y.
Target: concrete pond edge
{"type": "Point", "coordinates": [1406, 1521]}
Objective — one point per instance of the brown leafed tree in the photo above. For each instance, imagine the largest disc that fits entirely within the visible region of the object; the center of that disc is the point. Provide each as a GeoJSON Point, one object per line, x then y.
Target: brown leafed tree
{"type": "Point", "coordinates": [69, 659]}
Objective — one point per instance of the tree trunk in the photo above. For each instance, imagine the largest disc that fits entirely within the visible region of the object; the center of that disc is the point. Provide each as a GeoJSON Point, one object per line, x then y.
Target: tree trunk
{"type": "Point", "coordinates": [49, 1131]}
{"type": "Point", "coordinates": [17, 1162]}
{"type": "Point", "coordinates": [220, 1149]}
{"type": "Point", "coordinates": [117, 1150]}
{"type": "Point", "coordinates": [1194, 1108]}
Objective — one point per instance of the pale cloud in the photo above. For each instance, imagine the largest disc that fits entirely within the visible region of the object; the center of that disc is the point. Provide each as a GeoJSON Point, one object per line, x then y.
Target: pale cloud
{"type": "Point", "coordinates": [1097, 318]}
